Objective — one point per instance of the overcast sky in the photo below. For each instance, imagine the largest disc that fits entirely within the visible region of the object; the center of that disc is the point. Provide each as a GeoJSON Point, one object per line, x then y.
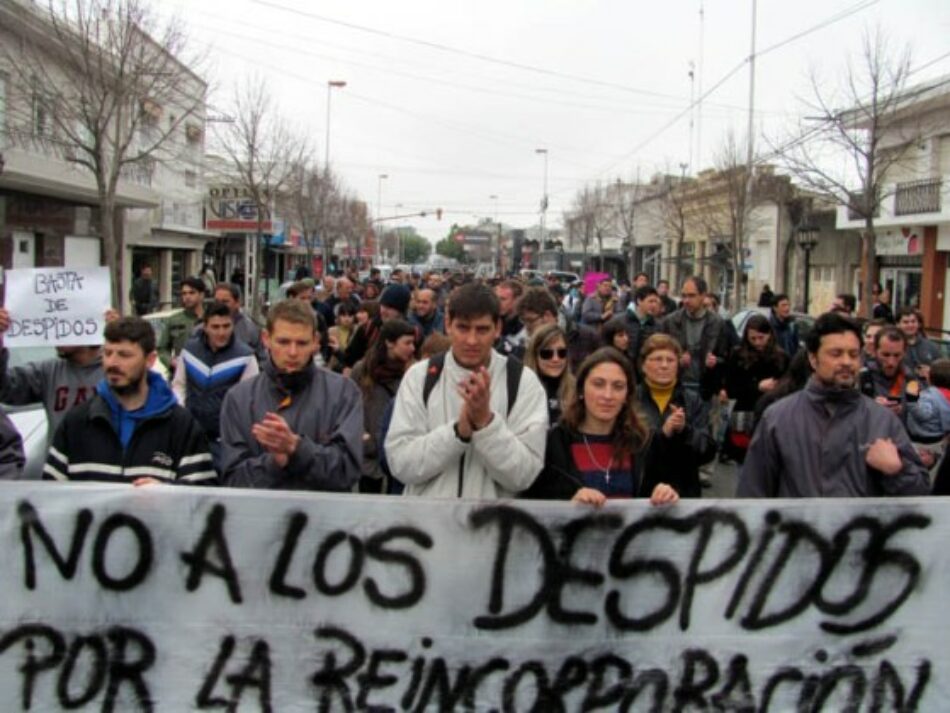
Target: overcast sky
{"type": "Point", "coordinates": [451, 99]}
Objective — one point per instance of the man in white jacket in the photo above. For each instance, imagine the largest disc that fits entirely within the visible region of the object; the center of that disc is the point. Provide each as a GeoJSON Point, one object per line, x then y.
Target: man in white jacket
{"type": "Point", "coordinates": [466, 438]}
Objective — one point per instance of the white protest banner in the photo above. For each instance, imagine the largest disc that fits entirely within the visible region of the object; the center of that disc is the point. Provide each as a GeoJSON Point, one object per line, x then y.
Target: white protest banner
{"type": "Point", "coordinates": [52, 306]}
{"type": "Point", "coordinates": [173, 599]}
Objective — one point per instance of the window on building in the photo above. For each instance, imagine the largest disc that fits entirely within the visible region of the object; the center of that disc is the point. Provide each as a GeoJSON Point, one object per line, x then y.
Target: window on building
{"type": "Point", "coordinates": [191, 179]}
{"type": "Point", "coordinates": [41, 117]}
{"type": "Point", "coordinates": [3, 109]}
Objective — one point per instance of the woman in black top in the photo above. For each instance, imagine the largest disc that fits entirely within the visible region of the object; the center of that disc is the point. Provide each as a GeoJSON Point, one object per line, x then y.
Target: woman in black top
{"type": "Point", "coordinates": [752, 370]}
{"type": "Point", "coordinates": [594, 452]}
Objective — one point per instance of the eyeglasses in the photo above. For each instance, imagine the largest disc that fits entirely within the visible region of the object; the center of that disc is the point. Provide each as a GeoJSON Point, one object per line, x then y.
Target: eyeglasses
{"type": "Point", "coordinates": [689, 295]}
{"type": "Point", "coordinates": [549, 353]}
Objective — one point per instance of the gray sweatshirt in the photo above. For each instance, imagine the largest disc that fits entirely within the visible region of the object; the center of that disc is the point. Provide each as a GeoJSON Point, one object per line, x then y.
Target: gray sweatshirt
{"type": "Point", "coordinates": [813, 444]}
{"type": "Point", "coordinates": [328, 415]}
{"type": "Point", "coordinates": [58, 384]}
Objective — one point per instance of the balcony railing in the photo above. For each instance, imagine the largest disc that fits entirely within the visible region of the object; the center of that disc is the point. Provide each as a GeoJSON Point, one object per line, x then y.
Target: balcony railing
{"type": "Point", "coordinates": [918, 197]}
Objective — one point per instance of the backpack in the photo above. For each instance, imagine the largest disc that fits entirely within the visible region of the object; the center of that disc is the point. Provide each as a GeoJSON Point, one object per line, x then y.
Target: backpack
{"type": "Point", "coordinates": [513, 369]}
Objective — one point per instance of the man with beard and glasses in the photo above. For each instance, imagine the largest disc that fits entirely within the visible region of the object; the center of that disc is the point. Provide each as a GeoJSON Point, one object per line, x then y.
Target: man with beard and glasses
{"type": "Point", "coordinates": [58, 384]}
{"type": "Point", "coordinates": [132, 430]}
{"type": "Point", "coordinates": [294, 426]}
{"type": "Point", "coordinates": [830, 440]}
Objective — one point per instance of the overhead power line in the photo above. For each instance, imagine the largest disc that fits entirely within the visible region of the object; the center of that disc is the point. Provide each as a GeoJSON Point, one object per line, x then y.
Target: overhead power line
{"type": "Point", "coordinates": [465, 53]}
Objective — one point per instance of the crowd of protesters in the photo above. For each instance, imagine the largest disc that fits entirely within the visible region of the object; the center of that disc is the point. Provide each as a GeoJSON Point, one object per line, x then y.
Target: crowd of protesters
{"type": "Point", "coordinates": [447, 386]}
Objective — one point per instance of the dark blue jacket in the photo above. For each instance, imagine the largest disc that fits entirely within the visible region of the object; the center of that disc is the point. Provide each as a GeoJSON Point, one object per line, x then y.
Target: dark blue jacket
{"type": "Point", "coordinates": [209, 376]}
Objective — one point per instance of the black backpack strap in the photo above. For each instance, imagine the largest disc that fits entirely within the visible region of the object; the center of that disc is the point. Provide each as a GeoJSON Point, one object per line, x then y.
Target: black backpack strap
{"type": "Point", "coordinates": [513, 369]}
{"type": "Point", "coordinates": [433, 372]}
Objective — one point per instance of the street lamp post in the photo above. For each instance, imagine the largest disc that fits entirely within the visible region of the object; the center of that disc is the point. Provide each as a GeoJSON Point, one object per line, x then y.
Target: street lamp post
{"type": "Point", "coordinates": [379, 208]}
{"type": "Point", "coordinates": [333, 83]}
{"type": "Point", "coordinates": [398, 238]}
{"type": "Point", "coordinates": [496, 253]}
{"type": "Point", "coordinates": [544, 195]}
{"type": "Point", "coordinates": [807, 239]}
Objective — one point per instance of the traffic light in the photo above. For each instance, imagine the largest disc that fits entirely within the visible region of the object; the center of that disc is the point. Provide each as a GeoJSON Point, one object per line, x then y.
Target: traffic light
{"type": "Point", "coordinates": [438, 214]}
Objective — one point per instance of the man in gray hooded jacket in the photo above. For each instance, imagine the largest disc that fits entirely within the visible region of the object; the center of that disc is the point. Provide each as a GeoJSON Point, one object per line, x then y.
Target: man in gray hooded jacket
{"type": "Point", "coordinates": [829, 440]}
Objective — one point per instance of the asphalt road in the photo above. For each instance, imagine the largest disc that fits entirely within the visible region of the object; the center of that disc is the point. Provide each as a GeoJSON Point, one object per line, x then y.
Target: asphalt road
{"type": "Point", "coordinates": [724, 477]}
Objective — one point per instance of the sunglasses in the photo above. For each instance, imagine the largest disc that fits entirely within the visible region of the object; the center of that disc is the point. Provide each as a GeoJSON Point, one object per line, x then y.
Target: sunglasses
{"type": "Point", "coordinates": [549, 353]}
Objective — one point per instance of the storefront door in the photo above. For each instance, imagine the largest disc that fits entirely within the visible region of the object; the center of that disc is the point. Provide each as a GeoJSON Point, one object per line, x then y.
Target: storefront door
{"type": "Point", "coordinates": [904, 285]}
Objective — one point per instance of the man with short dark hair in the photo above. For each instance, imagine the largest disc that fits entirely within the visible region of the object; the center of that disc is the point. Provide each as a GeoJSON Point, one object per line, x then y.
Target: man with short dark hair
{"type": "Point", "coordinates": [132, 430]}
{"type": "Point", "coordinates": [179, 326]}
{"type": "Point", "coordinates": [783, 324]}
{"type": "Point", "coordinates": [426, 313]}
{"type": "Point", "coordinates": [511, 337]}
{"type": "Point", "coordinates": [829, 440]}
{"type": "Point", "coordinates": [212, 361]}
{"type": "Point", "coordinates": [600, 307]}
{"type": "Point", "coordinates": [663, 290]}
{"type": "Point", "coordinates": [294, 426]}
{"type": "Point", "coordinates": [921, 352]}
{"type": "Point", "coordinates": [888, 381]}
{"type": "Point", "coordinates": [701, 334]}
{"type": "Point", "coordinates": [641, 317]}
{"type": "Point", "coordinates": [538, 307]}
{"type": "Point", "coordinates": [244, 328]}
{"type": "Point", "coordinates": [844, 304]}
{"type": "Point", "coordinates": [144, 292]}
{"type": "Point", "coordinates": [467, 438]}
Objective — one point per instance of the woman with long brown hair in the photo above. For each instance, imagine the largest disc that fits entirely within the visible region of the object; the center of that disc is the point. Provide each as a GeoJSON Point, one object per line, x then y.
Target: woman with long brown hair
{"type": "Point", "coordinates": [378, 376]}
{"type": "Point", "coordinates": [595, 452]}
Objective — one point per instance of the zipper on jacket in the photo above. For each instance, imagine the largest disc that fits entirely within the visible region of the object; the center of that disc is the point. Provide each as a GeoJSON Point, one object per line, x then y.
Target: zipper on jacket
{"type": "Point", "coordinates": [461, 473]}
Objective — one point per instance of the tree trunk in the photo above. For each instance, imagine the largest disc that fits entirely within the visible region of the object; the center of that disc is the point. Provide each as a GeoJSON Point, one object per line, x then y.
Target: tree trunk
{"type": "Point", "coordinates": [111, 249]}
{"type": "Point", "coordinates": [868, 268]}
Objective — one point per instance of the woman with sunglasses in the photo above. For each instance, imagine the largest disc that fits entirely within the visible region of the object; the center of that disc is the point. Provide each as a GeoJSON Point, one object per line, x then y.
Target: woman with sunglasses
{"type": "Point", "coordinates": [678, 417]}
{"type": "Point", "coordinates": [595, 452]}
{"type": "Point", "coordinates": [546, 356]}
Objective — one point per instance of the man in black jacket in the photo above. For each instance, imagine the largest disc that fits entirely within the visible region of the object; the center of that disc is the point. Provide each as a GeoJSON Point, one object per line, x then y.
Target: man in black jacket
{"type": "Point", "coordinates": [132, 430]}
{"type": "Point", "coordinates": [701, 334]}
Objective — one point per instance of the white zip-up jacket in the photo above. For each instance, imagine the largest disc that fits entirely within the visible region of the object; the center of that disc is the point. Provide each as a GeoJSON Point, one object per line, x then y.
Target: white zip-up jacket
{"type": "Point", "coordinates": [501, 459]}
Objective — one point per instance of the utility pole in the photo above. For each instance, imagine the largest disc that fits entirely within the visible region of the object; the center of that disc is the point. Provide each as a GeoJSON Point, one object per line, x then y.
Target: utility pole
{"type": "Point", "coordinates": [739, 260]}
{"type": "Point", "coordinates": [544, 195]}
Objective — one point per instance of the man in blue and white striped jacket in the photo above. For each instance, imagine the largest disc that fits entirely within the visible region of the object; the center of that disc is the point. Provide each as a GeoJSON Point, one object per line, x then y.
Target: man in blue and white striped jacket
{"type": "Point", "coordinates": [211, 362]}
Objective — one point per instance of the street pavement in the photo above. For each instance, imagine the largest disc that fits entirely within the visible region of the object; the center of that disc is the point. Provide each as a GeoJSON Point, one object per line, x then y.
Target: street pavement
{"type": "Point", "coordinates": [724, 476]}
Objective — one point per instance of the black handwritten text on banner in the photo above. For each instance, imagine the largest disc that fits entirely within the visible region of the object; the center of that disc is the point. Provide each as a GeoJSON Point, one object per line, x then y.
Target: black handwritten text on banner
{"type": "Point", "coordinates": [56, 306]}
{"type": "Point", "coordinates": [198, 599]}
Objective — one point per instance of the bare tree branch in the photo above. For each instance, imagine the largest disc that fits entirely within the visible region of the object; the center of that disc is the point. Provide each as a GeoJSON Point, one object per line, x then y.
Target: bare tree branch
{"type": "Point", "coordinates": [90, 77]}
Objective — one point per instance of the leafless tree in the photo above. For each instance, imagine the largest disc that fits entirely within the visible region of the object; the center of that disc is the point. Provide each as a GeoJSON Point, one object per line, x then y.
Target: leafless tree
{"type": "Point", "coordinates": [627, 204]}
{"type": "Point", "coordinates": [724, 207]}
{"type": "Point", "coordinates": [872, 89]}
{"type": "Point", "coordinates": [351, 222]}
{"type": "Point", "coordinates": [673, 223]}
{"type": "Point", "coordinates": [92, 79]}
{"type": "Point", "coordinates": [311, 196]}
{"type": "Point", "coordinates": [588, 219]}
{"type": "Point", "coordinates": [264, 154]}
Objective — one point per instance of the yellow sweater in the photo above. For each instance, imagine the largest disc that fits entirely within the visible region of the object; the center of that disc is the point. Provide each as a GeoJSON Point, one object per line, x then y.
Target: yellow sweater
{"type": "Point", "coordinates": [661, 394]}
